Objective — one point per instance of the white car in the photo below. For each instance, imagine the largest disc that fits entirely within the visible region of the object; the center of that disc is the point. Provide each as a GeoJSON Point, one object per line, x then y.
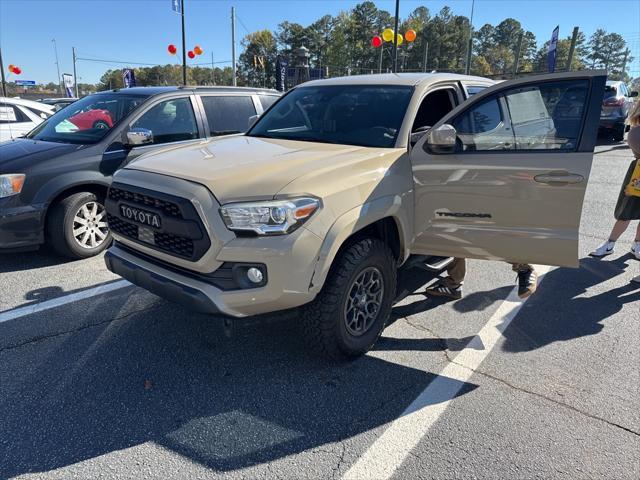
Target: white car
{"type": "Point", "coordinates": [18, 116]}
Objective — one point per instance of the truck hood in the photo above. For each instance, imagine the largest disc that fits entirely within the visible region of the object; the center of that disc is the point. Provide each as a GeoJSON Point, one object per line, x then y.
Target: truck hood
{"type": "Point", "coordinates": [245, 168]}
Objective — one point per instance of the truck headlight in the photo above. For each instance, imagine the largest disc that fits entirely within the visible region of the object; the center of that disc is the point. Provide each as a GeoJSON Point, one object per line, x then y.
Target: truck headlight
{"type": "Point", "coordinates": [11, 184]}
{"type": "Point", "coordinates": [270, 217]}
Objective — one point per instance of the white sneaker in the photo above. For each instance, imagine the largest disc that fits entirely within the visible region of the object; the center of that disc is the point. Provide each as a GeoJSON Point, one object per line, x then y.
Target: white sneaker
{"type": "Point", "coordinates": [635, 249]}
{"type": "Point", "coordinates": [603, 250]}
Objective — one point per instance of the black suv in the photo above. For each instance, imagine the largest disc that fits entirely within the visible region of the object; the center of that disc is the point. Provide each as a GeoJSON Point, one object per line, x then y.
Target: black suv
{"type": "Point", "coordinates": [53, 182]}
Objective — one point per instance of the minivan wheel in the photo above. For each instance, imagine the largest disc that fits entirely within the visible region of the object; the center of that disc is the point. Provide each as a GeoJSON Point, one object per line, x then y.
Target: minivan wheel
{"type": "Point", "coordinates": [618, 133]}
{"type": "Point", "coordinates": [349, 314]}
{"type": "Point", "coordinates": [77, 226]}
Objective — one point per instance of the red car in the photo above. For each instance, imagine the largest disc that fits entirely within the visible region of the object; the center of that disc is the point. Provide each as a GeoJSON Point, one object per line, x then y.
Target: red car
{"type": "Point", "coordinates": [97, 118]}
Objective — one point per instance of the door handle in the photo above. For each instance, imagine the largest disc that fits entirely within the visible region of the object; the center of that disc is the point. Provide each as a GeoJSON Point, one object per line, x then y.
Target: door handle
{"type": "Point", "coordinates": [559, 178]}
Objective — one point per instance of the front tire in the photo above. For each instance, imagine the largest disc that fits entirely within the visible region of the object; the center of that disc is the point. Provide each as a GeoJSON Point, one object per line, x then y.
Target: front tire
{"type": "Point", "coordinates": [77, 226]}
{"type": "Point", "coordinates": [618, 133]}
{"type": "Point", "coordinates": [349, 314]}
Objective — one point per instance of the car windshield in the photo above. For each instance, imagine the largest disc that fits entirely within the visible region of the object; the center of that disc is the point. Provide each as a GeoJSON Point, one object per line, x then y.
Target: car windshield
{"type": "Point", "coordinates": [88, 120]}
{"type": "Point", "coordinates": [610, 91]}
{"type": "Point", "coordinates": [364, 115]}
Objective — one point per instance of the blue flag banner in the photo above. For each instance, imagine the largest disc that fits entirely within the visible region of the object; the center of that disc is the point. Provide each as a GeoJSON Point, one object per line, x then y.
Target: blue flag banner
{"type": "Point", "coordinates": [551, 55]}
{"type": "Point", "coordinates": [281, 73]}
{"type": "Point", "coordinates": [68, 81]}
{"type": "Point", "coordinates": [128, 78]}
{"type": "Point", "coordinates": [176, 6]}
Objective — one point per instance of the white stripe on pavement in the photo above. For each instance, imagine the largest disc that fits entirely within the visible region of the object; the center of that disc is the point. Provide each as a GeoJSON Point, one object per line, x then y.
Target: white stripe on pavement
{"type": "Point", "coordinates": [389, 451]}
{"type": "Point", "coordinates": [58, 301]}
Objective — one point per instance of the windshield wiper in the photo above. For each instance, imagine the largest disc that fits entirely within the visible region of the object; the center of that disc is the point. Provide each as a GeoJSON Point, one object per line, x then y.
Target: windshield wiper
{"type": "Point", "coordinates": [217, 133]}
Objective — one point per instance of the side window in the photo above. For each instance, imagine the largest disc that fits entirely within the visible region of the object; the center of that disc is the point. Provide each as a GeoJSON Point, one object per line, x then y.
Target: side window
{"type": "Point", "coordinates": [268, 100]}
{"type": "Point", "coordinates": [473, 89]}
{"type": "Point", "coordinates": [170, 121]}
{"type": "Point", "coordinates": [433, 107]}
{"type": "Point", "coordinates": [12, 114]}
{"type": "Point", "coordinates": [228, 114]}
{"type": "Point", "coordinates": [547, 116]}
{"type": "Point", "coordinates": [39, 113]}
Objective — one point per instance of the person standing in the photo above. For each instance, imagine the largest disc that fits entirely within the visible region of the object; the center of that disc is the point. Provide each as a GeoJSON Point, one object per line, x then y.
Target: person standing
{"type": "Point", "coordinates": [451, 285]}
{"type": "Point", "coordinates": [628, 206]}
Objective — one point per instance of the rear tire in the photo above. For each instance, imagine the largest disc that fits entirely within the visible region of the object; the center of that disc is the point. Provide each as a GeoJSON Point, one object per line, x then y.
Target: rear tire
{"type": "Point", "coordinates": [618, 134]}
{"type": "Point", "coordinates": [71, 218]}
{"type": "Point", "coordinates": [349, 314]}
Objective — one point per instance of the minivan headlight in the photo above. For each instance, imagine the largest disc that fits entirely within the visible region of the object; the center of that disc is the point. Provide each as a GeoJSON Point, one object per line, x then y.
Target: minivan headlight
{"type": "Point", "coordinates": [11, 184]}
{"type": "Point", "coordinates": [270, 217]}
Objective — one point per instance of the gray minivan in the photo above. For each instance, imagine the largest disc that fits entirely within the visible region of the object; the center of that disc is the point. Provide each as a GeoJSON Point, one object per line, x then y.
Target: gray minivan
{"type": "Point", "coordinates": [54, 180]}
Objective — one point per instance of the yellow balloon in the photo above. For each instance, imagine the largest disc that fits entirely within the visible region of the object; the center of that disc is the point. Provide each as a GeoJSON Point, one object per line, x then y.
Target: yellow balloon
{"type": "Point", "coordinates": [400, 39]}
{"type": "Point", "coordinates": [387, 35]}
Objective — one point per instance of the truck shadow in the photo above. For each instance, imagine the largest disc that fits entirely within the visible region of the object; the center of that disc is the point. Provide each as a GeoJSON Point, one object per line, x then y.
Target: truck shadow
{"type": "Point", "coordinates": [161, 374]}
{"type": "Point", "coordinates": [559, 312]}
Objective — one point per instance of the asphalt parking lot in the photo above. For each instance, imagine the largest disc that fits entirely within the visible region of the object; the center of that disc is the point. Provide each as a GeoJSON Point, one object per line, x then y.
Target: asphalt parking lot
{"type": "Point", "coordinates": [103, 380]}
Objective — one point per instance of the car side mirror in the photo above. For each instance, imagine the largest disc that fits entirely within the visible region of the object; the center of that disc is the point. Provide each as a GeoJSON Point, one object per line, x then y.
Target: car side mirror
{"type": "Point", "coordinates": [634, 93]}
{"type": "Point", "coordinates": [139, 136]}
{"type": "Point", "coordinates": [253, 119]}
{"type": "Point", "coordinates": [442, 139]}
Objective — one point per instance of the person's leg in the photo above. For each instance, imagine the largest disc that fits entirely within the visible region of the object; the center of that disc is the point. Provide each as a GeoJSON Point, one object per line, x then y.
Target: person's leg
{"type": "Point", "coordinates": [607, 247]}
{"type": "Point", "coordinates": [635, 248]}
{"type": "Point", "coordinates": [451, 285]}
{"type": "Point", "coordinates": [527, 279]}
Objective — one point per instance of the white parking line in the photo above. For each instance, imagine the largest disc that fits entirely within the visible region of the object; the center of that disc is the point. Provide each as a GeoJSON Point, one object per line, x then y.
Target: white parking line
{"type": "Point", "coordinates": [56, 302]}
{"type": "Point", "coordinates": [388, 452]}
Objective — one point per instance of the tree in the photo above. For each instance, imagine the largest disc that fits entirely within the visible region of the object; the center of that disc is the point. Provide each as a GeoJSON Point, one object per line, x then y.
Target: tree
{"type": "Point", "coordinates": [258, 60]}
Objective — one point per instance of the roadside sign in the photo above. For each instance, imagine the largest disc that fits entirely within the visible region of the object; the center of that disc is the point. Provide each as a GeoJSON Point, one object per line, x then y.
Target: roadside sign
{"type": "Point", "coordinates": [26, 83]}
{"type": "Point", "coordinates": [176, 6]}
{"type": "Point", "coordinates": [552, 53]}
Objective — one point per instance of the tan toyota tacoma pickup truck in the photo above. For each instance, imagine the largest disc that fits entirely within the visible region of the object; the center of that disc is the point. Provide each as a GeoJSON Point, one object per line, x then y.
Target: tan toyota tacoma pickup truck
{"type": "Point", "coordinates": [343, 181]}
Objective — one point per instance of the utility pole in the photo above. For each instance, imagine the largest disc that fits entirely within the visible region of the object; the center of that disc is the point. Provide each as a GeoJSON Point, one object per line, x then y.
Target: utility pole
{"type": "Point", "coordinates": [380, 65]}
{"type": "Point", "coordinates": [213, 70]}
{"type": "Point", "coordinates": [75, 76]}
{"type": "Point", "coordinates": [233, 44]}
{"type": "Point", "coordinates": [624, 62]}
{"type": "Point", "coordinates": [516, 62]}
{"type": "Point", "coordinates": [55, 49]}
{"type": "Point", "coordinates": [4, 82]}
{"type": "Point", "coordinates": [426, 54]}
{"type": "Point", "coordinates": [184, 48]}
{"type": "Point", "coordinates": [572, 48]}
{"type": "Point", "coordinates": [467, 67]}
{"type": "Point", "coordinates": [395, 38]}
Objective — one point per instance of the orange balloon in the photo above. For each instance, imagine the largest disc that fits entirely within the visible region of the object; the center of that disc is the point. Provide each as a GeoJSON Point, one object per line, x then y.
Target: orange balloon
{"type": "Point", "coordinates": [410, 35]}
{"type": "Point", "coordinates": [197, 50]}
{"type": "Point", "coordinates": [11, 67]}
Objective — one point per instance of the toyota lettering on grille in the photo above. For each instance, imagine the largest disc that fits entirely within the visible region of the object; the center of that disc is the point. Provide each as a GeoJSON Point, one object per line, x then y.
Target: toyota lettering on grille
{"type": "Point", "coordinates": [140, 216]}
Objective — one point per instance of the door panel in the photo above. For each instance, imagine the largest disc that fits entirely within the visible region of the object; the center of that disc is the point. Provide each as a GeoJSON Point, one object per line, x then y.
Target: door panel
{"type": "Point", "coordinates": [513, 187]}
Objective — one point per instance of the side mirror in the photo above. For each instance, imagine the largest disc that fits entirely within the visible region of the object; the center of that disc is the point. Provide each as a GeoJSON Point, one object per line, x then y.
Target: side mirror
{"type": "Point", "coordinates": [139, 136]}
{"type": "Point", "coordinates": [442, 139]}
{"type": "Point", "coordinates": [634, 93]}
{"type": "Point", "coordinates": [253, 119]}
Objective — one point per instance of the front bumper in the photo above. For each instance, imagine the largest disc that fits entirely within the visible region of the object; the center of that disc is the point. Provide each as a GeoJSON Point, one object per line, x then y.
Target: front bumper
{"type": "Point", "coordinates": [289, 262]}
{"type": "Point", "coordinates": [21, 226]}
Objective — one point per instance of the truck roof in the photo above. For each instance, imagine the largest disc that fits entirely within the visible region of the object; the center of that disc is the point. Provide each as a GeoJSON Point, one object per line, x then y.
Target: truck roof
{"type": "Point", "coordinates": [158, 90]}
{"type": "Point", "coordinates": [410, 79]}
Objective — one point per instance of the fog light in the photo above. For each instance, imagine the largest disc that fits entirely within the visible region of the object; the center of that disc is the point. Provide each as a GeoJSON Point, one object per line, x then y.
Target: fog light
{"type": "Point", "coordinates": [255, 275]}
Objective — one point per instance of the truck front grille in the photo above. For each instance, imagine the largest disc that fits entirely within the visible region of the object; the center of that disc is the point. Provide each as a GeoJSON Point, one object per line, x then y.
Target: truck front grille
{"type": "Point", "coordinates": [182, 233]}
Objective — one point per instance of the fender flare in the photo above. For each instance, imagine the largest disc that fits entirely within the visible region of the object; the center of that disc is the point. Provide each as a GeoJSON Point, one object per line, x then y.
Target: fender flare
{"type": "Point", "coordinates": [356, 219]}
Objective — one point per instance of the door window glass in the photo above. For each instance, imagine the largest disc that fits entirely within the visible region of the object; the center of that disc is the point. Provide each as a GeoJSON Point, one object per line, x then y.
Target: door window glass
{"type": "Point", "coordinates": [12, 114]}
{"type": "Point", "coordinates": [434, 106]}
{"type": "Point", "coordinates": [537, 117]}
{"type": "Point", "coordinates": [170, 121]}
{"type": "Point", "coordinates": [228, 115]}
{"type": "Point", "coordinates": [268, 100]}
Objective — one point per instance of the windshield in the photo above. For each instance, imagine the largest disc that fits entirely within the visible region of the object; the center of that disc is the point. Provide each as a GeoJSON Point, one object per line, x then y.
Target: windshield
{"type": "Point", "coordinates": [610, 91]}
{"type": "Point", "coordinates": [88, 120]}
{"type": "Point", "coordinates": [364, 115]}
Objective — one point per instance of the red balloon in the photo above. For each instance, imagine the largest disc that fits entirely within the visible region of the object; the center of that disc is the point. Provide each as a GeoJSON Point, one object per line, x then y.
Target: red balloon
{"type": "Point", "coordinates": [376, 41]}
{"type": "Point", "coordinates": [172, 49]}
{"type": "Point", "coordinates": [190, 54]}
{"type": "Point", "coordinates": [17, 70]}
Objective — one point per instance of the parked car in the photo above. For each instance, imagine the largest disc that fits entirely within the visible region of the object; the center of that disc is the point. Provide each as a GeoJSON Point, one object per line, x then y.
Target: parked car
{"type": "Point", "coordinates": [58, 103]}
{"type": "Point", "coordinates": [345, 181]}
{"type": "Point", "coordinates": [18, 116]}
{"type": "Point", "coordinates": [616, 104]}
{"type": "Point", "coordinates": [54, 181]}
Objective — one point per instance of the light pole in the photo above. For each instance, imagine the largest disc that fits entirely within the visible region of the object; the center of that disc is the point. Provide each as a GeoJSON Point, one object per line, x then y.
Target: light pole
{"type": "Point", "coordinates": [395, 38]}
{"type": "Point", "coordinates": [55, 49]}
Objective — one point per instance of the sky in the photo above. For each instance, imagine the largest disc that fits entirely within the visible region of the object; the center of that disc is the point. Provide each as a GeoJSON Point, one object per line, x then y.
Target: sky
{"type": "Point", "coordinates": [138, 31]}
